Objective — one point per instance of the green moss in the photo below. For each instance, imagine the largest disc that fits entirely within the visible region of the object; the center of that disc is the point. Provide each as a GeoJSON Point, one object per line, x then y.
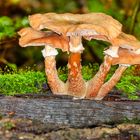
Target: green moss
{"type": "Point", "coordinates": [63, 73]}
{"type": "Point", "coordinates": [29, 81]}
{"type": "Point", "coordinates": [132, 121]}
{"type": "Point", "coordinates": [21, 82]}
{"type": "Point", "coordinates": [9, 26]}
{"type": "Point", "coordinates": [94, 44]}
{"type": "Point", "coordinates": [88, 71]}
{"type": "Point", "coordinates": [129, 83]}
{"type": "Point", "coordinates": [8, 125]}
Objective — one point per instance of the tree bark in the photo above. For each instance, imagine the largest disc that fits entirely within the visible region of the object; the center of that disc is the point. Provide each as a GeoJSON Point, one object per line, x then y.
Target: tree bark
{"type": "Point", "coordinates": [67, 112]}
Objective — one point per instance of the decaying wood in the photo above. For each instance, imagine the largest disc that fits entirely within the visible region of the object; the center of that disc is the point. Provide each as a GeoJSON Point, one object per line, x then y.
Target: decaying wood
{"type": "Point", "coordinates": [68, 112]}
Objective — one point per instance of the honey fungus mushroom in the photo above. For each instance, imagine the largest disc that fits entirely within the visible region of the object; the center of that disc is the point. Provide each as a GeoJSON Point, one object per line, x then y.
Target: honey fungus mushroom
{"type": "Point", "coordinates": [127, 47]}
{"type": "Point", "coordinates": [51, 41]}
{"type": "Point", "coordinates": [76, 26]}
{"type": "Point", "coordinates": [128, 54]}
{"type": "Point", "coordinates": [125, 59]}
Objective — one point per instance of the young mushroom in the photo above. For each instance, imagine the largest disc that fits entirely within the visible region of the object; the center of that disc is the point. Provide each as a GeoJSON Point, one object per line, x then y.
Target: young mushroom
{"type": "Point", "coordinates": [131, 45]}
{"type": "Point", "coordinates": [76, 26]}
{"type": "Point", "coordinates": [123, 41]}
{"type": "Point", "coordinates": [51, 41]}
{"type": "Point", "coordinates": [125, 59]}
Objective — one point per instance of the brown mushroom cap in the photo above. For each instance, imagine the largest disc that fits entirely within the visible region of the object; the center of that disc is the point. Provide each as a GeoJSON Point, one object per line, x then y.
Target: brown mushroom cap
{"type": "Point", "coordinates": [28, 34]}
{"type": "Point", "coordinates": [126, 41]}
{"type": "Point", "coordinates": [31, 37]}
{"type": "Point", "coordinates": [126, 57]}
{"type": "Point", "coordinates": [77, 24]}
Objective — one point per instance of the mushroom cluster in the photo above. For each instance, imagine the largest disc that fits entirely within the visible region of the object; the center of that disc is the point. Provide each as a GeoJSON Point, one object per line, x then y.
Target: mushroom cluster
{"type": "Point", "coordinates": [65, 32]}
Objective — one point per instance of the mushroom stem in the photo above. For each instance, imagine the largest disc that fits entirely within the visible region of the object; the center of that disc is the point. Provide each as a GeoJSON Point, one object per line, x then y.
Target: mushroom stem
{"type": "Point", "coordinates": [76, 84]}
{"type": "Point", "coordinates": [75, 44]}
{"type": "Point", "coordinates": [97, 81]}
{"type": "Point", "coordinates": [56, 85]}
{"type": "Point", "coordinates": [111, 83]}
{"type": "Point", "coordinates": [112, 51]}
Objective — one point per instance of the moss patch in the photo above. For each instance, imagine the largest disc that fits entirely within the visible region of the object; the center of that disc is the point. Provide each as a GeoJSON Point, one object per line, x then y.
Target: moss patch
{"type": "Point", "coordinates": [29, 81]}
{"type": "Point", "coordinates": [22, 82]}
{"type": "Point", "coordinates": [131, 121]}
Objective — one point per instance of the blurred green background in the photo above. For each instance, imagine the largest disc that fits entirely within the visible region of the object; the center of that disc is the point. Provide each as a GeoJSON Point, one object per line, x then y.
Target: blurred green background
{"type": "Point", "coordinates": [13, 17]}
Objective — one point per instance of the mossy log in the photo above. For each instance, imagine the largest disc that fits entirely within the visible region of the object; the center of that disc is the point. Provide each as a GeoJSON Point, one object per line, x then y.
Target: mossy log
{"type": "Point", "coordinates": [68, 112]}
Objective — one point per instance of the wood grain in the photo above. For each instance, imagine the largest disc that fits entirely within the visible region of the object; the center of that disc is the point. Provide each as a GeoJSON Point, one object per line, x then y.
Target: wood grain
{"type": "Point", "coordinates": [68, 112]}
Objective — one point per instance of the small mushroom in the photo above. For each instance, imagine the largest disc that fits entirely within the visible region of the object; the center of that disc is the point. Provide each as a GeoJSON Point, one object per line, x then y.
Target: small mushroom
{"type": "Point", "coordinates": [76, 26]}
{"type": "Point", "coordinates": [51, 41]}
{"type": "Point", "coordinates": [125, 59]}
{"type": "Point", "coordinates": [123, 41]}
{"type": "Point", "coordinates": [128, 53]}
{"type": "Point", "coordinates": [128, 47]}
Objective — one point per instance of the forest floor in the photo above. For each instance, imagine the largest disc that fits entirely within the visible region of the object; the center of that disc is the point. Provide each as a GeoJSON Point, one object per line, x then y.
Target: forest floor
{"type": "Point", "coordinates": [24, 129]}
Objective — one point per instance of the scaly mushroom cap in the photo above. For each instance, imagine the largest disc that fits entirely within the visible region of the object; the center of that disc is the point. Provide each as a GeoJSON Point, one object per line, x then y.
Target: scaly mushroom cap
{"type": "Point", "coordinates": [31, 37]}
{"type": "Point", "coordinates": [126, 57]}
{"type": "Point", "coordinates": [126, 41]}
{"type": "Point", "coordinates": [78, 24]}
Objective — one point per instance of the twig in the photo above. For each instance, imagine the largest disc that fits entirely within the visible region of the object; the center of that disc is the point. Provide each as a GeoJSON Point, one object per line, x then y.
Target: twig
{"type": "Point", "coordinates": [8, 40]}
